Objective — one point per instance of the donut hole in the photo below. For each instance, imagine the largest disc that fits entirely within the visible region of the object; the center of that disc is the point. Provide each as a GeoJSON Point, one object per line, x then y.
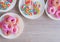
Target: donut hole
{"type": "Point", "coordinates": [57, 2]}
{"type": "Point", "coordinates": [12, 20]}
{"type": "Point", "coordinates": [14, 30]}
{"type": "Point", "coordinates": [52, 10]}
{"type": "Point", "coordinates": [9, 26]}
{"type": "Point", "coordinates": [8, 32]}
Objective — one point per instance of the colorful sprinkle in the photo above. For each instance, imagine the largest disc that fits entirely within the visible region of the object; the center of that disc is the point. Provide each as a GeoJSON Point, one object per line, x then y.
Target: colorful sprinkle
{"type": "Point", "coordinates": [31, 8]}
{"type": "Point", "coordinates": [4, 5]}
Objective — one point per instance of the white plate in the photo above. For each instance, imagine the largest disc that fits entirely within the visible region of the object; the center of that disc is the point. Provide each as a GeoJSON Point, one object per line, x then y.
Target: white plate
{"type": "Point", "coordinates": [50, 16]}
{"type": "Point", "coordinates": [9, 8]}
{"type": "Point", "coordinates": [42, 3]}
{"type": "Point", "coordinates": [21, 26]}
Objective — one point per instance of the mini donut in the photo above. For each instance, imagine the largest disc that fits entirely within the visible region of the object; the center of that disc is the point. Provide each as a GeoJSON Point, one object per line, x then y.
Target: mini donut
{"type": "Point", "coordinates": [15, 29]}
{"type": "Point", "coordinates": [52, 10]}
{"type": "Point", "coordinates": [56, 3]}
{"type": "Point", "coordinates": [6, 30]}
{"type": "Point", "coordinates": [50, 3]}
{"type": "Point", "coordinates": [5, 19]}
{"type": "Point", "coordinates": [57, 14]}
{"type": "Point", "coordinates": [10, 19]}
{"type": "Point", "coordinates": [7, 26]}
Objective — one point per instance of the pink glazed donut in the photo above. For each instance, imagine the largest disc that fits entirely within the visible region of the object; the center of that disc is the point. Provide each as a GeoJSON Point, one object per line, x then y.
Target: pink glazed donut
{"type": "Point", "coordinates": [52, 10]}
{"type": "Point", "coordinates": [56, 3]}
{"type": "Point", "coordinates": [15, 29]}
{"type": "Point", "coordinates": [58, 14]}
{"type": "Point", "coordinates": [50, 3]}
{"type": "Point", "coordinates": [8, 29]}
{"type": "Point", "coordinates": [10, 19]}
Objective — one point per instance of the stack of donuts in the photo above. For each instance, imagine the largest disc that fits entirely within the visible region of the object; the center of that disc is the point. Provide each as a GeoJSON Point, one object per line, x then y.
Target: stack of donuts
{"type": "Point", "coordinates": [54, 8]}
{"type": "Point", "coordinates": [9, 25]}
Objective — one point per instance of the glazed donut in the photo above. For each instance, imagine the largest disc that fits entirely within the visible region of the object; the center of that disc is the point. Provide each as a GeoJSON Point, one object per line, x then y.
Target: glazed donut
{"type": "Point", "coordinates": [15, 29]}
{"type": "Point", "coordinates": [5, 20]}
{"type": "Point", "coordinates": [8, 30]}
{"type": "Point", "coordinates": [52, 10]}
{"type": "Point", "coordinates": [7, 26]}
{"type": "Point", "coordinates": [57, 14]}
{"type": "Point", "coordinates": [10, 19]}
{"type": "Point", "coordinates": [56, 3]}
{"type": "Point", "coordinates": [50, 3]}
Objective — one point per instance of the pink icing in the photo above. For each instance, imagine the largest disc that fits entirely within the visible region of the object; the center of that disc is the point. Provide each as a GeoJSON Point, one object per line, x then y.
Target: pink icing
{"type": "Point", "coordinates": [10, 19]}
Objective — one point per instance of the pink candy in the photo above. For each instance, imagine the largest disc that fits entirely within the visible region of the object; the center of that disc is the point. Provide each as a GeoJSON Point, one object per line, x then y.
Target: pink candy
{"type": "Point", "coordinates": [10, 19]}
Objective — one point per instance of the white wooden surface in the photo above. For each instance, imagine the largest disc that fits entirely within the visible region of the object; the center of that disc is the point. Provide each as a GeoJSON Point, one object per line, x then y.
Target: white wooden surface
{"type": "Point", "coordinates": [42, 29]}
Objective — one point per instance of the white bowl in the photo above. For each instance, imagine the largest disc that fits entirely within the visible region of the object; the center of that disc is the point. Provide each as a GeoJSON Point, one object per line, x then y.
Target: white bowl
{"type": "Point", "coordinates": [34, 16]}
{"type": "Point", "coordinates": [50, 16]}
{"type": "Point", "coordinates": [9, 8]}
{"type": "Point", "coordinates": [21, 26]}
